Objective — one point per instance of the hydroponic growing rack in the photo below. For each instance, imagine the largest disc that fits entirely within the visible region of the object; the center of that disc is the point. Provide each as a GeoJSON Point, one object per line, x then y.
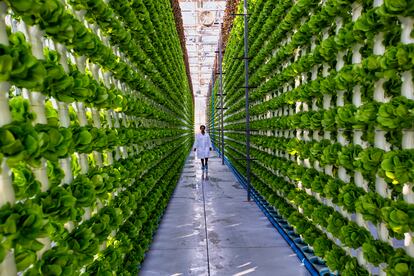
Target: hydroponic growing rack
{"type": "Point", "coordinates": [95, 125]}
{"type": "Point", "coordinates": [332, 125]}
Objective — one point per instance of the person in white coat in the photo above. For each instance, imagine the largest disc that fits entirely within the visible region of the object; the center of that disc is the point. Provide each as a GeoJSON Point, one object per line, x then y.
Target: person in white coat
{"type": "Point", "coordinates": [203, 147]}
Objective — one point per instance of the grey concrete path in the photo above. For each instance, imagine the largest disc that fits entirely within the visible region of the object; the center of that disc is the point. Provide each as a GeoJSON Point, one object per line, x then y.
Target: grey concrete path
{"type": "Point", "coordinates": [210, 229]}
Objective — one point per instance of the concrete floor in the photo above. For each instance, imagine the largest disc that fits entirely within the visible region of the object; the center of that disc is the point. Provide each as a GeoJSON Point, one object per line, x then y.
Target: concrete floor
{"type": "Point", "coordinates": [210, 229]}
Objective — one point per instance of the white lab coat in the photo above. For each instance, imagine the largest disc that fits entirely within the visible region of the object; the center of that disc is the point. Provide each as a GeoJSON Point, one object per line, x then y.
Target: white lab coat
{"type": "Point", "coordinates": [203, 145]}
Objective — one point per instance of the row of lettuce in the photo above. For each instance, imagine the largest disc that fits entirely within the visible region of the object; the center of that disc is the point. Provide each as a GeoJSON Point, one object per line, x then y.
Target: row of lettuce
{"type": "Point", "coordinates": [135, 133]}
{"type": "Point", "coordinates": [326, 79]}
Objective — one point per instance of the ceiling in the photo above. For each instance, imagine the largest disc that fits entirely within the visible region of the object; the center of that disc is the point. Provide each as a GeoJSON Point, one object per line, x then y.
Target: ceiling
{"type": "Point", "coordinates": [201, 41]}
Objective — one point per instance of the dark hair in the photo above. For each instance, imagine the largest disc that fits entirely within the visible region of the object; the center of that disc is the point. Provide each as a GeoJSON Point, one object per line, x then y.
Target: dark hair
{"type": "Point", "coordinates": [202, 126]}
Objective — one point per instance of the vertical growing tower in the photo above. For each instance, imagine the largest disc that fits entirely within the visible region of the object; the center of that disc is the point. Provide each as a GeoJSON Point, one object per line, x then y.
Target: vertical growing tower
{"type": "Point", "coordinates": [96, 122]}
{"type": "Point", "coordinates": [332, 125]}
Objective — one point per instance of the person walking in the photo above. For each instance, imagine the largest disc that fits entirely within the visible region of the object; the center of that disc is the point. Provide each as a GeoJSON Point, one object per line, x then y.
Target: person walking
{"type": "Point", "coordinates": [203, 147]}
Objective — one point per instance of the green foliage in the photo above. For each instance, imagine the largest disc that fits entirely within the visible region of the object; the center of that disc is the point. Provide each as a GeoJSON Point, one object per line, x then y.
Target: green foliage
{"type": "Point", "coordinates": [133, 154]}
{"type": "Point", "coordinates": [328, 85]}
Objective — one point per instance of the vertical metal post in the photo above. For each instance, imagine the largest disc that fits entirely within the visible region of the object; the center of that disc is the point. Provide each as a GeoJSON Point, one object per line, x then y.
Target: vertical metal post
{"type": "Point", "coordinates": [212, 107]}
{"type": "Point", "coordinates": [218, 114]}
{"type": "Point", "coordinates": [220, 50]}
{"type": "Point", "coordinates": [246, 84]}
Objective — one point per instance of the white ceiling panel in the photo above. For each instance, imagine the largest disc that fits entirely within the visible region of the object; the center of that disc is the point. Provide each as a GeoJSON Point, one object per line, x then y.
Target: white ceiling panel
{"type": "Point", "coordinates": [201, 42]}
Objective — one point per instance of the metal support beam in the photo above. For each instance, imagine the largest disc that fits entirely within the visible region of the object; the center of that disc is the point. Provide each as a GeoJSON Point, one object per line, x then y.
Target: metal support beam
{"type": "Point", "coordinates": [220, 63]}
{"type": "Point", "coordinates": [246, 69]}
{"type": "Point", "coordinates": [240, 14]}
{"type": "Point", "coordinates": [248, 87]}
{"type": "Point", "coordinates": [242, 58]}
{"type": "Point", "coordinates": [212, 106]}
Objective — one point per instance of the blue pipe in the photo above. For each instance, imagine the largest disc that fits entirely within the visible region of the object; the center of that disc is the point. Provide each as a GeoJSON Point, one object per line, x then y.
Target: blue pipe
{"type": "Point", "coordinates": [301, 256]}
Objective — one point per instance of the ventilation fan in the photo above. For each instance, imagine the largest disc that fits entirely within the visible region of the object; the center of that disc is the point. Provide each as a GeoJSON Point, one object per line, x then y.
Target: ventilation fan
{"type": "Point", "coordinates": [207, 18]}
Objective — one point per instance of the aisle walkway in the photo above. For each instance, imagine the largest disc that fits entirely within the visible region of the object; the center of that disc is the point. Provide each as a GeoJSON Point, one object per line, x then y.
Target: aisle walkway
{"type": "Point", "coordinates": [210, 229]}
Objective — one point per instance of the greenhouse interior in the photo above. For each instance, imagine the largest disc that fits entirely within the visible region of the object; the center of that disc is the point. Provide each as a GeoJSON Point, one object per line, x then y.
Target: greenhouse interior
{"type": "Point", "coordinates": [206, 137]}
